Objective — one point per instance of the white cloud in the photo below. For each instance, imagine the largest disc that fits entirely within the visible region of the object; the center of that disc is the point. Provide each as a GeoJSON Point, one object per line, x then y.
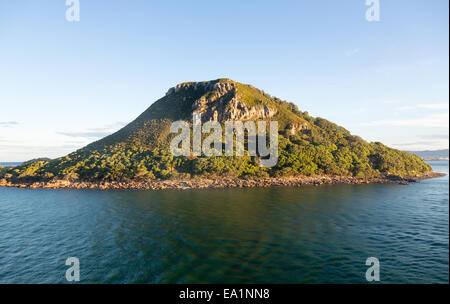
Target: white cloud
{"type": "Point", "coordinates": [352, 52]}
{"type": "Point", "coordinates": [421, 146]}
{"type": "Point", "coordinates": [8, 123]}
{"type": "Point", "coordinates": [96, 132]}
{"type": "Point", "coordinates": [434, 136]}
{"type": "Point", "coordinates": [435, 120]}
{"type": "Point", "coordinates": [435, 106]}
{"type": "Point", "coordinates": [88, 134]}
{"type": "Point", "coordinates": [390, 101]}
{"type": "Point", "coordinates": [23, 152]}
{"type": "Point", "coordinates": [432, 106]}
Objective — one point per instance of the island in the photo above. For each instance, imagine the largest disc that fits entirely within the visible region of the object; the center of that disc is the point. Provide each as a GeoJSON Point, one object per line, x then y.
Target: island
{"type": "Point", "coordinates": [311, 150]}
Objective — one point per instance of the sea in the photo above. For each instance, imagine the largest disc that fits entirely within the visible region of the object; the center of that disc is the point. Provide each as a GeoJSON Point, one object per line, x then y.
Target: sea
{"type": "Point", "coordinates": [9, 164]}
{"type": "Point", "coordinates": [275, 235]}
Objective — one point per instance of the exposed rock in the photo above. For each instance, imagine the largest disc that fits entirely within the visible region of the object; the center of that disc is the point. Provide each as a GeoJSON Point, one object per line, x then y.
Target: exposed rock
{"type": "Point", "coordinates": [224, 105]}
{"type": "Point", "coordinates": [216, 183]}
{"type": "Point", "coordinates": [222, 102]}
{"type": "Point", "coordinates": [295, 129]}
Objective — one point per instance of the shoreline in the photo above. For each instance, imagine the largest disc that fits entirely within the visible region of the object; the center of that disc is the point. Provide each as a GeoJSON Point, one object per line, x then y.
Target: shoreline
{"type": "Point", "coordinates": [220, 183]}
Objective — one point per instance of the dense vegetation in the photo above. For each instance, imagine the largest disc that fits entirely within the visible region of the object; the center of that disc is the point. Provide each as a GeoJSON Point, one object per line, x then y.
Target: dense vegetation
{"type": "Point", "coordinates": [140, 151]}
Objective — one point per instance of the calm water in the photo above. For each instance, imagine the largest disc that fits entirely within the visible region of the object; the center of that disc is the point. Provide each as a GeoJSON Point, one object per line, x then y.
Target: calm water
{"type": "Point", "coordinates": [279, 235]}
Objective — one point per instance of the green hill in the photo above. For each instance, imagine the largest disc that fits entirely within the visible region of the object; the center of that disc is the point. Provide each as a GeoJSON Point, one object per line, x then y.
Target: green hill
{"type": "Point", "coordinates": [140, 151]}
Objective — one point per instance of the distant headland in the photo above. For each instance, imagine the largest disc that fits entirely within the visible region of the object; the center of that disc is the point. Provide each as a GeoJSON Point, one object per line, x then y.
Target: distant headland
{"type": "Point", "coordinates": [432, 154]}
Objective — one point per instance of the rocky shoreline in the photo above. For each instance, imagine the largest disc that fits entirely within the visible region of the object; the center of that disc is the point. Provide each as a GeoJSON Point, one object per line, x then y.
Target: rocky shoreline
{"type": "Point", "coordinates": [217, 183]}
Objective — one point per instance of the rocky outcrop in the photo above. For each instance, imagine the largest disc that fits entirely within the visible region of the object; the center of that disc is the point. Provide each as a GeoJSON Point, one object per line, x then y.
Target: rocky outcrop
{"type": "Point", "coordinates": [295, 129]}
{"type": "Point", "coordinates": [216, 183]}
{"type": "Point", "coordinates": [220, 101]}
{"type": "Point", "coordinates": [223, 109]}
{"type": "Point", "coordinates": [203, 86]}
{"type": "Point", "coordinates": [237, 110]}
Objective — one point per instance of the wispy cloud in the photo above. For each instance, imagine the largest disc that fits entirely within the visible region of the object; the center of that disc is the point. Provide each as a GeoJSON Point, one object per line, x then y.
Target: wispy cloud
{"type": "Point", "coordinates": [49, 147]}
{"type": "Point", "coordinates": [434, 136]}
{"type": "Point", "coordinates": [390, 101]}
{"type": "Point", "coordinates": [8, 123]}
{"type": "Point", "coordinates": [421, 145]}
{"type": "Point", "coordinates": [351, 52]}
{"type": "Point", "coordinates": [107, 128]}
{"type": "Point", "coordinates": [96, 132]}
{"type": "Point", "coordinates": [432, 106]}
{"type": "Point", "coordinates": [435, 106]}
{"type": "Point", "coordinates": [416, 143]}
{"type": "Point", "coordinates": [89, 134]}
{"type": "Point", "coordinates": [23, 152]}
{"type": "Point", "coordinates": [435, 120]}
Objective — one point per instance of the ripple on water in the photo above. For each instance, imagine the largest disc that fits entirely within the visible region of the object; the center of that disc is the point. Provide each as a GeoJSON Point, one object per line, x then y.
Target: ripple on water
{"type": "Point", "coordinates": [282, 235]}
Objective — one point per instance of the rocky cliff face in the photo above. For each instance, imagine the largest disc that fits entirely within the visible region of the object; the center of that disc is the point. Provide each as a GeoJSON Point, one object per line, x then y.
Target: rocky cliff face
{"type": "Point", "coordinates": [222, 101]}
{"type": "Point", "coordinates": [296, 128]}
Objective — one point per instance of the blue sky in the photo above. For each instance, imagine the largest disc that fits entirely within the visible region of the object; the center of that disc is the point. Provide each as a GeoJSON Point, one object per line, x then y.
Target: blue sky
{"type": "Point", "coordinates": [65, 84]}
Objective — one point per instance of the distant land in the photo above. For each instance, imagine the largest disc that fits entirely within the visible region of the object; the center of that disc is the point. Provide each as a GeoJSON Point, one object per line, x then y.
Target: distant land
{"type": "Point", "coordinates": [138, 155]}
{"type": "Point", "coordinates": [432, 154]}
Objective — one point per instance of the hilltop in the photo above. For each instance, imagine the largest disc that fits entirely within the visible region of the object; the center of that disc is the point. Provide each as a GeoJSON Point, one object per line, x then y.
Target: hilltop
{"type": "Point", "coordinates": [139, 152]}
